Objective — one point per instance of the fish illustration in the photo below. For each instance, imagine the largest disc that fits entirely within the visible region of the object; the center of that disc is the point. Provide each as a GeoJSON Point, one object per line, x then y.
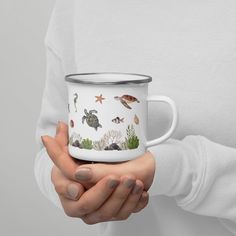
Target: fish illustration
{"type": "Point", "coordinates": [126, 99]}
{"type": "Point", "coordinates": [136, 119]}
{"type": "Point", "coordinates": [118, 120]}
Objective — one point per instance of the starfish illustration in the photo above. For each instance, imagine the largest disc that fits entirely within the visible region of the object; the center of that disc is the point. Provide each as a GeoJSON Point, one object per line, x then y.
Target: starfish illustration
{"type": "Point", "coordinates": [99, 98]}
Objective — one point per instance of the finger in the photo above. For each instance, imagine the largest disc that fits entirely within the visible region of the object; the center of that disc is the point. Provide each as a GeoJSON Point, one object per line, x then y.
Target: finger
{"type": "Point", "coordinates": [112, 206]}
{"type": "Point", "coordinates": [131, 202]}
{"type": "Point", "coordinates": [93, 198]}
{"type": "Point", "coordinates": [65, 187]}
{"type": "Point", "coordinates": [62, 134]}
{"type": "Point", "coordinates": [92, 173]}
{"type": "Point", "coordinates": [61, 159]}
{"type": "Point", "coordinates": [143, 202]}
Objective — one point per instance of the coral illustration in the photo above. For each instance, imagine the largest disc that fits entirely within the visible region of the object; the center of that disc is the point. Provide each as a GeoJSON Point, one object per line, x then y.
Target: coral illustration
{"type": "Point", "coordinates": [132, 140]}
{"type": "Point", "coordinates": [123, 146]}
{"type": "Point", "coordinates": [99, 145]}
{"type": "Point", "coordinates": [112, 136]}
{"type": "Point", "coordinates": [87, 144]}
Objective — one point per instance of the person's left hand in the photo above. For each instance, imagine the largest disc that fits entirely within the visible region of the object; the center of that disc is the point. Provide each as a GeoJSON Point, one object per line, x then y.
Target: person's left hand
{"type": "Point", "coordinates": [141, 168]}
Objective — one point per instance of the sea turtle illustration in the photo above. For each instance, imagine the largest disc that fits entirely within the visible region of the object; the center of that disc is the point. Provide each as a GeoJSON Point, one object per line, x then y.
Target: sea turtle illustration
{"type": "Point", "coordinates": [91, 119]}
{"type": "Point", "coordinates": [125, 99]}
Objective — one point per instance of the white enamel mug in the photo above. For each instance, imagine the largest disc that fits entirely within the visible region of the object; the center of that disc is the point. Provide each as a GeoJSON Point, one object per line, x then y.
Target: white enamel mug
{"type": "Point", "coordinates": [108, 115]}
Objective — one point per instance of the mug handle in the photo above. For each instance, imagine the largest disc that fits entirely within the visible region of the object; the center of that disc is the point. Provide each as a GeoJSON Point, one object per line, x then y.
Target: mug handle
{"type": "Point", "coordinates": [155, 98]}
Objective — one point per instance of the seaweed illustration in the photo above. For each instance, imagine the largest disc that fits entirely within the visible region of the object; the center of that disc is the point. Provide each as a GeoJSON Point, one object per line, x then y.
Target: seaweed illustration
{"type": "Point", "coordinates": [132, 139]}
{"type": "Point", "coordinates": [87, 144]}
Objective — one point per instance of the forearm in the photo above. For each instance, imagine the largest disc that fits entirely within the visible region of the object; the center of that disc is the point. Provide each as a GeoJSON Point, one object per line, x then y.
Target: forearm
{"type": "Point", "coordinates": [199, 174]}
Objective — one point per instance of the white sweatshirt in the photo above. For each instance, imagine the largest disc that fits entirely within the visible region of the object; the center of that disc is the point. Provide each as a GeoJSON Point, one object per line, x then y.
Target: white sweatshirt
{"type": "Point", "coordinates": [189, 48]}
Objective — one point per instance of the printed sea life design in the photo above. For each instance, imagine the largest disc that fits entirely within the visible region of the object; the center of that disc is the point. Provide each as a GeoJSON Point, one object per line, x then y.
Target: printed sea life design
{"type": "Point", "coordinates": [126, 99]}
{"type": "Point", "coordinates": [99, 98]}
{"type": "Point", "coordinates": [72, 123]}
{"type": "Point", "coordinates": [132, 139]}
{"type": "Point", "coordinates": [110, 141]}
{"type": "Point", "coordinates": [113, 146]}
{"type": "Point", "coordinates": [136, 119]}
{"type": "Point", "coordinates": [118, 120]}
{"type": "Point", "coordinates": [87, 144]}
{"type": "Point", "coordinates": [91, 119]}
{"type": "Point", "coordinates": [75, 140]}
{"type": "Point", "coordinates": [75, 101]}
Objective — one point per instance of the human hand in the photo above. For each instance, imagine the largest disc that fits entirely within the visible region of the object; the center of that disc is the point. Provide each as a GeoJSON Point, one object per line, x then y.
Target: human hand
{"type": "Point", "coordinates": [109, 202]}
{"type": "Point", "coordinates": [142, 168]}
{"type": "Point", "coordinates": [111, 199]}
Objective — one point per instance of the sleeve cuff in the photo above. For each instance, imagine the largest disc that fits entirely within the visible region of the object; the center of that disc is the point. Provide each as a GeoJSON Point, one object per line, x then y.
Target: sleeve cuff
{"type": "Point", "coordinates": [172, 176]}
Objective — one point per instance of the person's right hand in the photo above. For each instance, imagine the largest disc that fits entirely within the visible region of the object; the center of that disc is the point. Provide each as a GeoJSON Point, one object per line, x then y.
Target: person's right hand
{"type": "Point", "coordinates": [111, 198]}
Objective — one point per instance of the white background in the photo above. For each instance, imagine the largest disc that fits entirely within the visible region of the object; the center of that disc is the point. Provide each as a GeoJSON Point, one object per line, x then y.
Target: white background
{"type": "Point", "coordinates": [23, 209]}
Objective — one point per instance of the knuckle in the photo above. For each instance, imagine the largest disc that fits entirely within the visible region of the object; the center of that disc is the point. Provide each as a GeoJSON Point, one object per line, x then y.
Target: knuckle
{"type": "Point", "coordinates": [124, 216]}
{"type": "Point", "coordinates": [129, 176]}
{"type": "Point", "coordinates": [82, 209]}
{"type": "Point", "coordinates": [88, 221]}
{"type": "Point", "coordinates": [120, 196]}
{"type": "Point", "coordinates": [112, 177]}
{"type": "Point", "coordinates": [103, 216]}
{"type": "Point", "coordinates": [60, 189]}
{"type": "Point", "coordinates": [69, 212]}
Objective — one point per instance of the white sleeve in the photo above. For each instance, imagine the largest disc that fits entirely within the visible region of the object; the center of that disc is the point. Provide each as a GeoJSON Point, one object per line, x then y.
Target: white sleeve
{"type": "Point", "coordinates": [200, 175]}
{"type": "Point", "coordinates": [53, 109]}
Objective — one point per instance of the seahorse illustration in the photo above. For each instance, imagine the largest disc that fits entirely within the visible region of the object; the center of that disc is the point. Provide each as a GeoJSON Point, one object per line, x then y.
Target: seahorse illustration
{"type": "Point", "coordinates": [75, 101]}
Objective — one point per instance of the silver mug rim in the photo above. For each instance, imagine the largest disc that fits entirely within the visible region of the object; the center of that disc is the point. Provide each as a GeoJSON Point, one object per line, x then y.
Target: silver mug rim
{"type": "Point", "coordinates": [70, 78]}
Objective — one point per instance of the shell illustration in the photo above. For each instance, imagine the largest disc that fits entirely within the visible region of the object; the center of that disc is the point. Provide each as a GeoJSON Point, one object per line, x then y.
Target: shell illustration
{"type": "Point", "coordinates": [91, 119]}
{"type": "Point", "coordinates": [72, 124]}
{"type": "Point", "coordinates": [126, 99]}
{"type": "Point", "coordinates": [136, 119]}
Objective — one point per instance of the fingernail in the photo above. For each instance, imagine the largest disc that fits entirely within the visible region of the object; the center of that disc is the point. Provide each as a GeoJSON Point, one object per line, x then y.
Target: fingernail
{"type": "Point", "coordinates": [83, 173]}
{"type": "Point", "coordinates": [113, 183]}
{"type": "Point", "coordinates": [72, 191]}
{"type": "Point", "coordinates": [129, 183]}
{"type": "Point", "coordinates": [137, 189]}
